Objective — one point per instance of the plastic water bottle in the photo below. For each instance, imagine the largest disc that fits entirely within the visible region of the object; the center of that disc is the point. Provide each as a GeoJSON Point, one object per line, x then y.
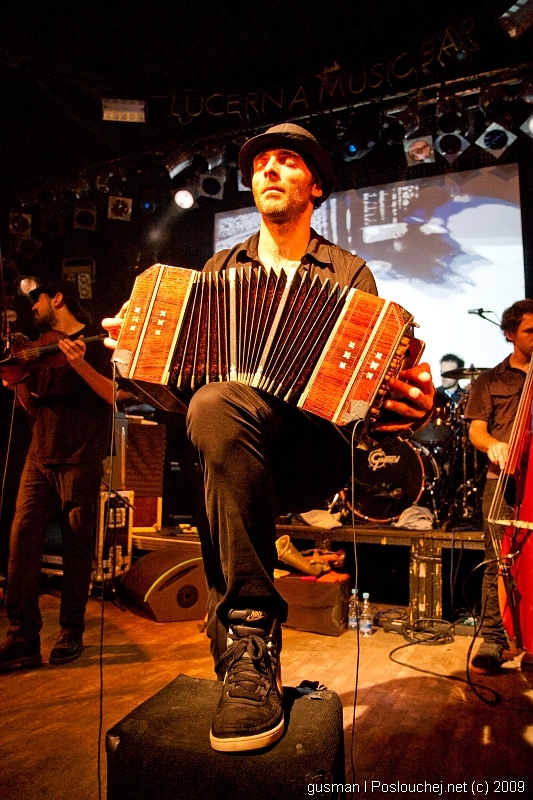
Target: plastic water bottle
{"type": "Point", "coordinates": [366, 619]}
{"type": "Point", "coordinates": [353, 612]}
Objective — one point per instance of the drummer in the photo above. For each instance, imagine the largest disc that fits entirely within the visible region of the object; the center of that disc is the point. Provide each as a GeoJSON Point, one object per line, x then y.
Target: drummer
{"type": "Point", "coordinates": [450, 386]}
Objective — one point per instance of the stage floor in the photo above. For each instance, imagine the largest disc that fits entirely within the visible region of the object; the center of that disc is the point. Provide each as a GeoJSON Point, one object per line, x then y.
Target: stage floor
{"type": "Point", "coordinates": [410, 726]}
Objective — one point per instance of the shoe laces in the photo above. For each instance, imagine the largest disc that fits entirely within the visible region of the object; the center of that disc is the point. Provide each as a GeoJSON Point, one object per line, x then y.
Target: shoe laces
{"type": "Point", "coordinates": [249, 673]}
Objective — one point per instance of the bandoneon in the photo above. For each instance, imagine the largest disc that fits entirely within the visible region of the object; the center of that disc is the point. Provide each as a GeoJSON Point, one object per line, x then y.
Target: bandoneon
{"type": "Point", "coordinates": [328, 350]}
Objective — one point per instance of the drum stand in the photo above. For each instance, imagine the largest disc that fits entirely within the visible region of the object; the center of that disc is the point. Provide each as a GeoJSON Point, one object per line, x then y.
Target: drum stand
{"type": "Point", "coordinates": [467, 504]}
{"type": "Point", "coordinates": [429, 486]}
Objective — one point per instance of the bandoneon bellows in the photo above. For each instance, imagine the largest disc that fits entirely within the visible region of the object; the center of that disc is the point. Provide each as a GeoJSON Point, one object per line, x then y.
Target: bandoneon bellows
{"type": "Point", "coordinates": [328, 350]}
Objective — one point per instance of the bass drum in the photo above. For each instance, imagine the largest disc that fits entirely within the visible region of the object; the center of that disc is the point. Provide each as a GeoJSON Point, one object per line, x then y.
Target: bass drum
{"type": "Point", "coordinates": [438, 431]}
{"type": "Point", "coordinates": [390, 478]}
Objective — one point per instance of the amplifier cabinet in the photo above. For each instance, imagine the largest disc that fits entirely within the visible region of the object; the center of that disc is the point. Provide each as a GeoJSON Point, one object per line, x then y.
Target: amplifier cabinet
{"type": "Point", "coordinates": [113, 535]}
{"type": "Point", "coordinates": [161, 750]}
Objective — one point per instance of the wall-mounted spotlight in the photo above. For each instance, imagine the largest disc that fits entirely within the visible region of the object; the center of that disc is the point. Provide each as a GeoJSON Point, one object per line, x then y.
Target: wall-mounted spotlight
{"type": "Point", "coordinates": [407, 124]}
{"type": "Point", "coordinates": [393, 132]}
{"type": "Point", "coordinates": [28, 283]}
{"type": "Point", "coordinates": [119, 208]}
{"type": "Point", "coordinates": [450, 142]}
{"type": "Point", "coordinates": [177, 162]}
{"type": "Point", "coordinates": [419, 150]}
{"type": "Point", "coordinates": [358, 134]}
{"type": "Point", "coordinates": [526, 90]}
{"type": "Point", "coordinates": [451, 145]}
{"type": "Point", "coordinates": [85, 217]}
{"type": "Point", "coordinates": [527, 126]}
{"type": "Point", "coordinates": [211, 184]}
{"type": "Point", "coordinates": [100, 182]}
{"type": "Point", "coordinates": [20, 224]}
{"type": "Point", "coordinates": [449, 115]}
{"type": "Point", "coordinates": [116, 182]}
{"type": "Point", "coordinates": [496, 139]}
{"type": "Point", "coordinates": [496, 106]}
{"type": "Point", "coordinates": [184, 198]}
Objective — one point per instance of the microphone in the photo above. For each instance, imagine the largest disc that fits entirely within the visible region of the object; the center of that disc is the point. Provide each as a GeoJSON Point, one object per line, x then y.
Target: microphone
{"type": "Point", "coordinates": [394, 493]}
{"type": "Point", "coordinates": [481, 313]}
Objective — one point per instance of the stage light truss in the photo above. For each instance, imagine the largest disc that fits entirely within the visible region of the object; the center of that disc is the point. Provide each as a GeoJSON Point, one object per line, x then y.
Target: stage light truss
{"type": "Point", "coordinates": [438, 121]}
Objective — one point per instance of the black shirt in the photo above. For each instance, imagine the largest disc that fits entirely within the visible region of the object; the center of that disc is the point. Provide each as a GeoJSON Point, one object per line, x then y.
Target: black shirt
{"type": "Point", "coordinates": [73, 422]}
{"type": "Point", "coordinates": [321, 258]}
{"type": "Point", "coordinates": [494, 398]}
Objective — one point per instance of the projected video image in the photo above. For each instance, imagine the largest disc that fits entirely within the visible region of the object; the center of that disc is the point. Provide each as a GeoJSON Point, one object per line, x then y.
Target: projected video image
{"type": "Point", "coordinates": [439, 246]}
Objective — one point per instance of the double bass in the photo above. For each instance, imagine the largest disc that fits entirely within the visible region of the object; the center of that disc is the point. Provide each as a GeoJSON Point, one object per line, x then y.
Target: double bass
{"type": "Point", "coordinates": [513, 538]}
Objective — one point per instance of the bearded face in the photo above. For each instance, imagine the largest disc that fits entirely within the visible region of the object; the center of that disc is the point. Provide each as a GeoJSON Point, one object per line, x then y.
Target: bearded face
{"type": "Point", "coordinates": [283, 186]}
{"type": "Point", "coordinates": [44, 313]}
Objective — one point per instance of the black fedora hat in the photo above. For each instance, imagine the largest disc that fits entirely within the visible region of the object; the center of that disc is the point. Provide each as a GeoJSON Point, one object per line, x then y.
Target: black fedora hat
{"type": "Point", "coordinates": [293, 137]}
{"type": "Point", "coordinates": [68, 289]}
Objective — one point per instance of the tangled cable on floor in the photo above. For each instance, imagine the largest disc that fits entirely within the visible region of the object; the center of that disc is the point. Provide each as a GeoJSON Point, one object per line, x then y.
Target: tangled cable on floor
{"type": "Point", "coordinates": [435, 632]}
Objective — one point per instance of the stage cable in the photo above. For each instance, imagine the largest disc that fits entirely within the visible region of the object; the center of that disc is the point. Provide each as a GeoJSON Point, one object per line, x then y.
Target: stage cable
{"type": "Point", "coordinates": [4, 336]}
{"type": "Point", "coordinates": [477, 631]}
{"type": "Point", "coordinates": [357, 632]}
{"type": "Point", "coordinates": [8, 453]}
{"type": "Point", "coordinates": [431, 632]}
{"type": "Point", "coordinates": [105, 523]}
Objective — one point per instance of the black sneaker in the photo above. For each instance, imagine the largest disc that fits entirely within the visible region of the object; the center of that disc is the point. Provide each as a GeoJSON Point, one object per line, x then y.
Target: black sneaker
{"type": "Point", "coordinates": [488, 659]}
{"type": "Point", "coordinates": [250, 712]}
{"type": "Point", "coordinates": [17, 653]}
{"type": "Point", "coordinates": [68, 647]}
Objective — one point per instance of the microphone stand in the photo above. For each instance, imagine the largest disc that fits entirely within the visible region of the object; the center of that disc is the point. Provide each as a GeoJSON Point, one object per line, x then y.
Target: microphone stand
{"type": "Point", "coordinates": [5, 332]}
{"type": "Point", "coordinates": [481, 313]}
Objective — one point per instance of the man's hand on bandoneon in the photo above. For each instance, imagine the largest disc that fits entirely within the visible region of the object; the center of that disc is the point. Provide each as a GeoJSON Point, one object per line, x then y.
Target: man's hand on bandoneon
{"type": "Point", "coordinates": [410, 397]}
{"type": "Point", "coordinates": [114, 325]}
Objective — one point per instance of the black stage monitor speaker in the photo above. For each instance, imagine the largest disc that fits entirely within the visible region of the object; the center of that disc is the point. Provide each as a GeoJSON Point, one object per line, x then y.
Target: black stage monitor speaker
{"type": "Point", "coordinates": [168, 585]}
{"type": "Point", "coordinates": [161, 750]}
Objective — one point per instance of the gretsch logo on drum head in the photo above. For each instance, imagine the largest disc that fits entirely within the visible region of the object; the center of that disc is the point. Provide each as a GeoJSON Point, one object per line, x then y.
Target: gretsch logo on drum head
{"type": "Point", "coordinates": [378, 458]}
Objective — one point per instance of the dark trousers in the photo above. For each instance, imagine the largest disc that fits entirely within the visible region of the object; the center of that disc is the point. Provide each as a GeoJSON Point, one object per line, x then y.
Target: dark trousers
{"type": "Point", "coordinates": [492, 630]}
{"type": "Point", "coordinates": [261, 457]}
{"type": "Point", "coordinates": [74, 488]}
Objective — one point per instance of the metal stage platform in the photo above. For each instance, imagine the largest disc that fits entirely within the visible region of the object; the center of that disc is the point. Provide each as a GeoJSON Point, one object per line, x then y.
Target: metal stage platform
{"type": "Point", "coordinates": [425, 548]}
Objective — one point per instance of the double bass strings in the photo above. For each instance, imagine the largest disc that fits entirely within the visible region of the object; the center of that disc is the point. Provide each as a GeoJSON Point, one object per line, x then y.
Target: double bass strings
{"type": "Point", "coordinates": [516, 441]}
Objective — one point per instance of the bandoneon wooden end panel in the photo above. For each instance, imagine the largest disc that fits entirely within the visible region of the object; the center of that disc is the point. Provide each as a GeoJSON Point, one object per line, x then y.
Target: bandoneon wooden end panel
{"type": "Point", "coordinates": [134, 319]}
{"type": "Point", "coordinates": [363, 352]}
{"type": "Point", "coordinates": [146, 343]}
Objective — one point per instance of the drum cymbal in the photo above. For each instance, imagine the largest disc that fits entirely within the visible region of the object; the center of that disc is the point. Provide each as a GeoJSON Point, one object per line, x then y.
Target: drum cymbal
{"type": "Point", "coordinates": [465, 373]}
